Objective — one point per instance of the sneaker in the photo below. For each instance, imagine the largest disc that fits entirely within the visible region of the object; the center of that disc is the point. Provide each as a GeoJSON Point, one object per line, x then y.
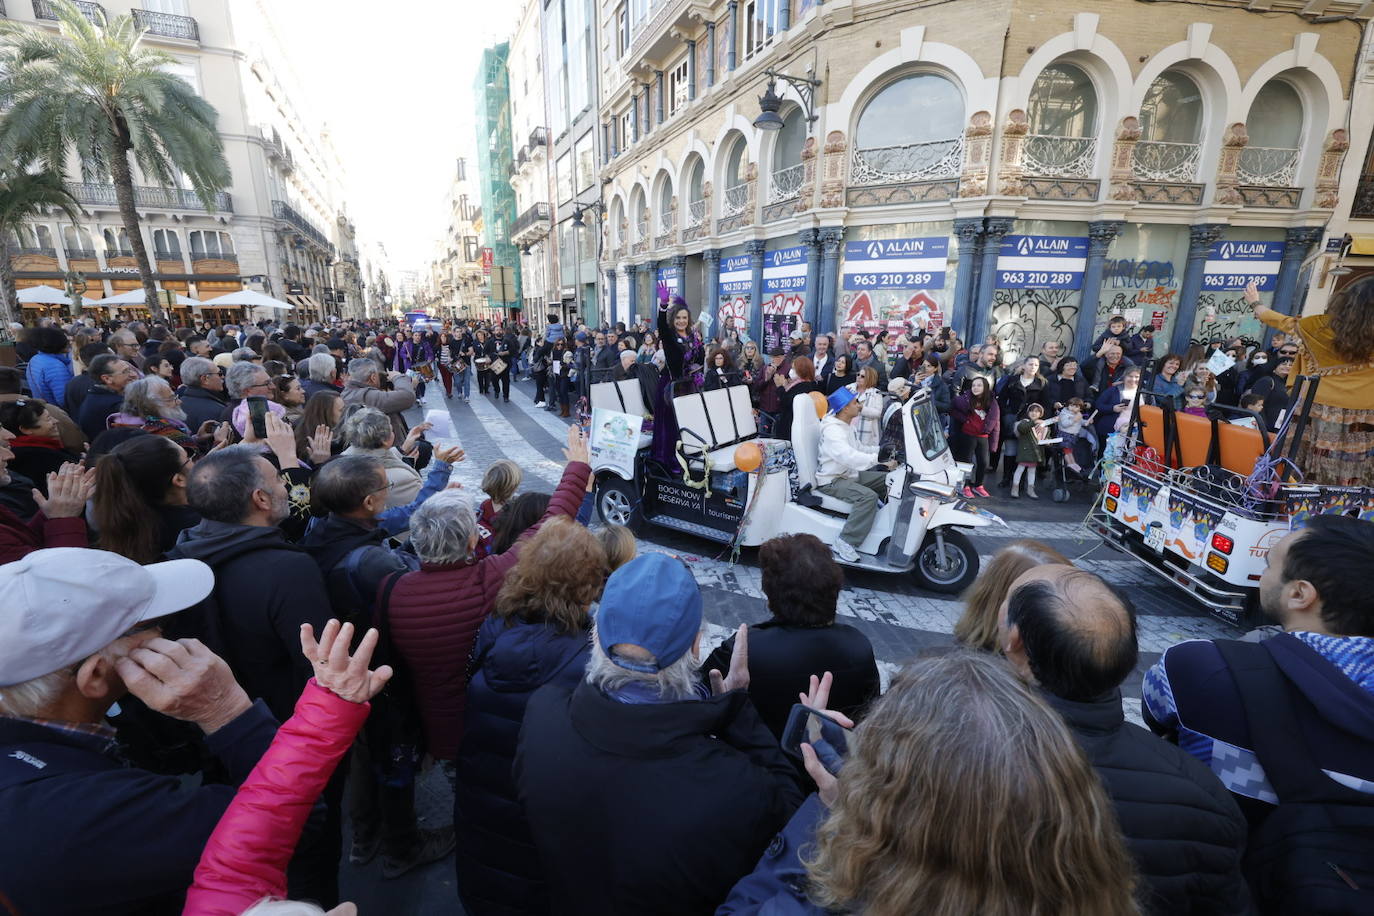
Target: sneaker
{"type": "Point", "coordinates": [982, 492]}
{"type": "Point", "coordinates": [1030, 491]}
{"type": "Point", "coordinates": [538, 403]}
{"type": "Point", "coordinates": [845, 551]}
{"type": "Point", "coordinates": [432, 846]}
{"type": "Point", "coordinates": [1015, 494]}
{"type": "Point", "coordinates": [968, 493]}
{"type": "Point", "coordinates": [363, 850]}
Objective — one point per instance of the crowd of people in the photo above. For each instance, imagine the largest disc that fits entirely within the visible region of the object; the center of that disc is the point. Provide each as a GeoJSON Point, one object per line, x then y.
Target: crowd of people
{"type": "Point", "coordinates": [243, 602]}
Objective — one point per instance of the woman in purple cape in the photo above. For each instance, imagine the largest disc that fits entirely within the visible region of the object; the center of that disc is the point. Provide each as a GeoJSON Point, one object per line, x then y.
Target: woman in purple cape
{"type": "Point", "coordinates": [684, 355]}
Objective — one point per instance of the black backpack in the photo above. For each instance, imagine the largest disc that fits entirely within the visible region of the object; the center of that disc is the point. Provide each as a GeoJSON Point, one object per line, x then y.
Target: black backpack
{"type": "Point", "coordinates": [1314, 853]}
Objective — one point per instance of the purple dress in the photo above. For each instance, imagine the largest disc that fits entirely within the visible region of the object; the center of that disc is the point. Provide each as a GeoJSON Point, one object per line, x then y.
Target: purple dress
{"type": "Point", "coordinates": [684, 358]}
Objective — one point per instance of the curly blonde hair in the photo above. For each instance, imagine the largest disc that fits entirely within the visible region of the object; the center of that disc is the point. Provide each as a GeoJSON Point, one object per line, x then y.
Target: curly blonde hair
{"type": "Point", "coordinates": [977, 626]}
{"type": "Point", "coordinates": [561, 571]}
{"type": "Point", "coordinates": [965, 793]}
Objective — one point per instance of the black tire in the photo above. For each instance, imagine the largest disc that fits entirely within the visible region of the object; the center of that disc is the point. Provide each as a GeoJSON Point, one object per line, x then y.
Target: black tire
{"type": "Point", "coordinates": [1060, 494]}
{"type": "Point", "coordinates": [961, 559]}
{"type": "Point", "coordinates": [618, 502]}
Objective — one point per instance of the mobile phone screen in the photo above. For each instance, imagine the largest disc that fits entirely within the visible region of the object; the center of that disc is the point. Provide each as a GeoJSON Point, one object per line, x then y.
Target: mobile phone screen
{"type": "Point", "coordinates": [257, 415]}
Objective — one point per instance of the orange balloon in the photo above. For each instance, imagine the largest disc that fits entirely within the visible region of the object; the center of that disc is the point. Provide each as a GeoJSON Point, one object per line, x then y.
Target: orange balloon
{"type": "Point", "coordinates": [748, 456]}
{"type": "Point", "coordinates": [822, 406]}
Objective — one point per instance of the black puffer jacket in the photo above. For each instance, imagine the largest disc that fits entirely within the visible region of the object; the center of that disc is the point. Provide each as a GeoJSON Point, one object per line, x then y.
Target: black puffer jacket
{"type": "Point", "coordinates": [1182, 827]}
{"type": "Point", "coordinates": [498, 867]}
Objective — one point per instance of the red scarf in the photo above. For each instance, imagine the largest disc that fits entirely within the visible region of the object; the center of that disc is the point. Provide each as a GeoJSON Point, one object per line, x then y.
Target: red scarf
{"type": "Point", "coordinates": [49, 442]}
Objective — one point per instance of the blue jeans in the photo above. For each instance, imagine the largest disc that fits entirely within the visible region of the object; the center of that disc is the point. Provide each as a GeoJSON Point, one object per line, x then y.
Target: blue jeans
{"type": "Point", "coordinates": [464, 380]}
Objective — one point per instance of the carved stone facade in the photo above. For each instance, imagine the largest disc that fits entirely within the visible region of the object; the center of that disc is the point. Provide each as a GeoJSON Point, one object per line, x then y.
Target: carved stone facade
{"type": "Point", "coordinates": [1011, 167]}
{"type": "Point", "coordinates": [973, 180]}
{"type": "Point", "coordinates": [1228, 164]}
{"type": "Point", "coordinates": [1123, 160]}
{"type": "Point", "coordinates": [1329, 169]}
{"type": "Point", "coordinates": [835, 171]}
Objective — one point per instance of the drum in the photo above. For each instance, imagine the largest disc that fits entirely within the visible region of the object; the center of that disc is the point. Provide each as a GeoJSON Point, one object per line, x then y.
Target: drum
{"type": "Point", "coordinates": [424, 370]}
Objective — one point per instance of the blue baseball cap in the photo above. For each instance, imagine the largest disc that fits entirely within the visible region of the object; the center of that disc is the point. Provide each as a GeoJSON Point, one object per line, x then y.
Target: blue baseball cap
{"type": "Point", "coordinates": [654, 603]}
{"type": "Point", "coordinates": [840, 398]}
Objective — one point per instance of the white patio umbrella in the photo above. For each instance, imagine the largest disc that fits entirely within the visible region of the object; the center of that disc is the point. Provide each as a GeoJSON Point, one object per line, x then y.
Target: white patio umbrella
{"type": "Point", "coordinates": [136, 297]}
{"type": "Point", "coordinates": [247, 297]}
{"type": "Point", "coordinates": [49, 295]}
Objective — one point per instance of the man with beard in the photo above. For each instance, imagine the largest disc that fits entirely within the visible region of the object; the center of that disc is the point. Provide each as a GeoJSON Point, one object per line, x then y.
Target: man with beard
{"type": "Point", "coordinates": [151, 405]}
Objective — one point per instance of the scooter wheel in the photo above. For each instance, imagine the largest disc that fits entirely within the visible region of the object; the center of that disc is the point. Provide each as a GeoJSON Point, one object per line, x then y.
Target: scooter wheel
{"type": "Point", "coordinates": [951, 573]}
{"type": "Point", "coordinates": [1060, 495]}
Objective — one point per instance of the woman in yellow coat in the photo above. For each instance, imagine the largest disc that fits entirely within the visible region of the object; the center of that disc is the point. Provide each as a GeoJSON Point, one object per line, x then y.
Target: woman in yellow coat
{"type": "Point", "coordinates": [1338, 348]}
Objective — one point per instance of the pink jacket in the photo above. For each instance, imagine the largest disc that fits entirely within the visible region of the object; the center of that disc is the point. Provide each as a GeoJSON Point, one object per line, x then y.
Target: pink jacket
{"type": "Point", "coordinates": [245, 859]}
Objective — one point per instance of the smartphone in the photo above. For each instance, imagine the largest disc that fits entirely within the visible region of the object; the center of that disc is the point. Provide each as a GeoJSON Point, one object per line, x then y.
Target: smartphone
{"type": "Point", "coordinates": [826, 736]}
{"type": "Point", "coordinates": [257, 415]}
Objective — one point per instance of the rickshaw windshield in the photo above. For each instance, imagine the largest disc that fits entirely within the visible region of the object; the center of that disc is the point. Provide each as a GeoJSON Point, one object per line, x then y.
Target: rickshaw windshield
{"type": "Point", "coordinates": [929, 434]}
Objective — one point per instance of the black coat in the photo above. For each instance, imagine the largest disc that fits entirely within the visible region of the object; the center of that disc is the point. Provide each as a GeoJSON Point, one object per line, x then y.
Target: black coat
{"type": "Point", "coordinates": [782, 429]}
{"type": "Point", "coordinates": [1181, 825]}
{"type": "Point", "coordinates": [1060, 389]}
{"type": "Point", "coordinates": [75, 393]}
{"type": "Point", "coordinates": [648, 808]}
{"type": "Point", "coordinates": [498, 867]}
{"type": "Point", "coordinates": [782, 658]}
{"type": "Point", "coordinates": [200, 405]}
{"type": "Point", "coordinates": [96, 408]}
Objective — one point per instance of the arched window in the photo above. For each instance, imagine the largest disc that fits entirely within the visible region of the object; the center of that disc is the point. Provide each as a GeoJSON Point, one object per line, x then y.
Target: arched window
{"type": "Point", "coordinates": [167, 244]}
{"type": "Point", "coordinates": [1170, 129]}
{"type": "Point", "coordinates": [1062, 141]}
{"type": "Point", "coordinates": [617, 222]}
{"type": "Point", "coordinates": [696, 192]}
{"type": "Point", "coordinates": [786, 180]}
{"type": "Point", "coordinates": [45, 237]}
{"type": "Point", "coordinates": [641, 213]}
{"type": "Point", "coordinates": [117, 244]}
{"type": "Point", "coordinates": [211, 244]}
{"type": "Point", "coordinates": [736, 189]}
{"type": "Point", "coordinates": [912, 130]}
{"type": "Point", "coordinates": [665, 205]}
{"type": "Point", "coordinates": [1275, 127]}
{"type": "Point", "coordinates": [77, 241]}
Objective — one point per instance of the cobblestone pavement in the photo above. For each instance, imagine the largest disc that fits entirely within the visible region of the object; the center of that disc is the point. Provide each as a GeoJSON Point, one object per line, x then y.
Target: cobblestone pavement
{"type": "Point", "coordinates": [899, 618]}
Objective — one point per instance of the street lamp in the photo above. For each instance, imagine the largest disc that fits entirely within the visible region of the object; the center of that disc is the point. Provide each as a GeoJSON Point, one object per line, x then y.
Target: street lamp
{"type": "Point", "coordinates": [578, 224]}
{"type": "Point", "coordinates": [770, 101]}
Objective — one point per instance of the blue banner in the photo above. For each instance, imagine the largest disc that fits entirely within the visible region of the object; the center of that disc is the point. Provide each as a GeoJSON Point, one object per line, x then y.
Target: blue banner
{"type": "Point", "coordinates": [784, 270]}
{"type": "Point", "coordinates": [736, 276]}
{"type": "Point", "coordinates": [1042, 262]}
{"type": "Point", "coordinates": [670, 277]}
{"type": "Point", "coordinates": [1232, 265]}
{"type": "Point", "coordinates": [896, 264]}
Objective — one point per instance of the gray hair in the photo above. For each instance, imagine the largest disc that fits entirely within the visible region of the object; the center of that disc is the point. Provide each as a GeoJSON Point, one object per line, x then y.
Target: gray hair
{"type": "Point", "coordinates": [245, 355]}
{"type": "Point", "coordinates": [322, 367]}
{"type": "Point", "coordinates": [362, 369]}
{"type": "Point", "coordinates": [195, 368]}
{"type": "Point", "coordinates": [222, 483]}
{"type": "Point", "coordinates": [35, 697]}
{"type": "Point", "coordinates": [343, 483]}
{"type": "Point", "coordinates": [241, 377]}
{"type": "Point", "coordinates": [318, 349]}
{"type": "Point", "coordinates": [141, 397]}
{"type": "Point", "coordinates": [678, 681]}
{"type": "Point", "coordinates": [368, 428]}
{"type": "Point", "coordinates": [443, 526]}
{"type": "Point", "coordinates": [123, 336]}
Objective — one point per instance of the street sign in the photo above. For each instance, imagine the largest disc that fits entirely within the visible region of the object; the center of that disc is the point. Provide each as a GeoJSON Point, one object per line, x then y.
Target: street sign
{"type": "Point", "coordinates": [1042, 262]}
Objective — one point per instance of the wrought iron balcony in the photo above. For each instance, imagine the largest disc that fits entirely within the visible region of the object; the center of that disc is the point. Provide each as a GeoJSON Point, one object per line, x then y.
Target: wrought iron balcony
{"type": "Point", "coordinates": [229, 256]}
{"type": "Point", "coordinates": [786, 183]}
{"type": "Point", "coordinates": [79, 254]}
{"type": "Point", "coordinates": [736, 199]}
{"type": "Point", "coordinates": [1268, 167]}
{"type": "Point", "coordinates": [1363, 205]}
{"type": "Point", "coordinates": [94, 12]}
{"type": "Point", "coordinates": [151, 198]}
{"type": "Point", "coordinates": [284, 212]}
{"type": "Point", "coordinates": [655, 35]}
{"type": "Point", "coordinates": [696, 212]}
{"type": "Point", "coordinates": [1159, 160]}
{"type": "Point", "coordinates": [529, 223]}
{"type": "Point", "coordinates": [39, 250]}
{"type": "Point", "coordinates": [167, 25]}
{"type": "Point", "coordinates": [930, 161]}
{"type": "Point", "coordinates": [1047, 156]}
{"type": "Point", "coordinates": [538, 137]}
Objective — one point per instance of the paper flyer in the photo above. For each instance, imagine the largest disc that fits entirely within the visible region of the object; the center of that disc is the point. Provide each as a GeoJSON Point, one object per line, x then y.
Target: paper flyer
{"type": "Point", "coordinates": [614, 441]}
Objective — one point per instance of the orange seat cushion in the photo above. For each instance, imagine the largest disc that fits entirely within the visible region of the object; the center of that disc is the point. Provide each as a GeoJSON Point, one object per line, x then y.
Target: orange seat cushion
{"type": "Point", "coordinates": [1241, 447]}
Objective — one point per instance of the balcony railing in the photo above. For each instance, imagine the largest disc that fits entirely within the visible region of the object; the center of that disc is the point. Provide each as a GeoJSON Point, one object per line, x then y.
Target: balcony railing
{"type": "Point", "coordinates": [930, 161]}
{"type": "Point", "coordinates": [539, 137]}
{"type": "Point", "coordinates": [696, 212]}
{"type": "Point", "coordinates": [284, 212]}
{"type": "Point", "coordinates": [213, 256]}
{"type": "Point", "coordinates": [539, 213]}
{"type": "Point", "coordinates": [736, 199]}
{"type": "Point", "coordinates": [665, 222]}
{"type": "Point", "coordinates": [118, 253]}
{"type": "Point", "coordinates": [167, 25]}
{"type": "Point", "coordinates": [1268, 166]}
{"type": "Point", "coordinates": [152, 198]}
{"type": "Point", "coordinates": [38, 250]}
{"type": "Point", "coordinates": [87, 254]}
{"type": "Point", "coordinates": [1159, 160]}
{"type": "Point", "coordinates": [1047, 156]}
{"type": "Point", "coordinates": [642, 228]}
{"type": "Point", "coordinates": [94, 12]}
{"type": "Point", "coordinates": [786, 183]}
{"type": "Point", "coordinates": [1363, 205]}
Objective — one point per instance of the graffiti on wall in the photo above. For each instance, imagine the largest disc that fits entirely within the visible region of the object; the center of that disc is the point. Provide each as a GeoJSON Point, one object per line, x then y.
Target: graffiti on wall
{"type": "Point", "coordinates": [736, 307]}
{"type": "Point", "coordinates": [882, 308]}
{"type": "Point", "coordinates": [1023, 319]}
{"type": "Point", "coordinates": [1125, 273]}
{"type": "Point", "coordinates": [1225, 315]}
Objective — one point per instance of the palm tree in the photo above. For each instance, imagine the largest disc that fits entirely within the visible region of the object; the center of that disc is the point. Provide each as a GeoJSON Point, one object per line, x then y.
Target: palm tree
{"type": "Point", "coordinates": [96, 90]}
{"type": "Point", "coordinates": [25, 194]}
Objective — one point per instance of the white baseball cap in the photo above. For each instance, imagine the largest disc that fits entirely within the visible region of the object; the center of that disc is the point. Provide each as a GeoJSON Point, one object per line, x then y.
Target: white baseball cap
{"type": "Point", "coordinates": [62, 605]}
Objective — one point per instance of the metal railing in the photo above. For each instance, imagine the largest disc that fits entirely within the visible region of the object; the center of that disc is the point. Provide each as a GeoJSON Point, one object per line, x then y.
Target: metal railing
{"type": "Point", "coordinates": [152, 198]}
{"type": "Point", "coordinates": [118, 253]}
{"type": "Point", "coordinates": [94, 12]}
{"type": "Point", "coordinates": [928, 161]}
{"type": "Point", "coordinates": [1363, 205]}
{"type": "Point", "coordinates": [1047, 156]}
{"type": "Point", "coordinates": [642, 228]}
{"type": "Point", "coordinates": [213, 256]}
{"type": "Point", "coordinates": [736, 199]}
{"type": "Point", "coordinates": [665, 222]}
{"type": "Point", "coordinates": [168, 25]}
{"type": "Point", "coordinates": [39, 250]}
{"type": "Point", "coordinates": [1160, 160]}
{"type": "Point", "coordinates": [540, 212]}
{"type": "Point", "coordinates": [538, 137]}
{"type": "Point", "coordinates": [87, 254]}
{"type": "Point", "coordinates": [786, 183]}
{"type": "Point", "coordinates": [696, 212]}
{"type": "Point", "coordinates": [1268, 166]}
{"type": "Point", "coordinates": [283, 211]}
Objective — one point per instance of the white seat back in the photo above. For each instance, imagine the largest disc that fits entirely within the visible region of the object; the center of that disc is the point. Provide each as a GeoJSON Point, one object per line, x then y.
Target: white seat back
{"type": "Point", "coordinates": [624, 396]}
{"type": "Point", "coordinates": [743, 410]}
{"type": "Point", "coordinates": [722, 416]}
{"type": "Point", "coordinates": [691, 419]}
{"type": "Point", "coordinates": [806, 440]}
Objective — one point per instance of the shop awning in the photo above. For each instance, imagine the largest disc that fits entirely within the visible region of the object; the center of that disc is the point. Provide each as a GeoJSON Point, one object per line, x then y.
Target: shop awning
{"type": "Point", "coordinates": [1362, 244]}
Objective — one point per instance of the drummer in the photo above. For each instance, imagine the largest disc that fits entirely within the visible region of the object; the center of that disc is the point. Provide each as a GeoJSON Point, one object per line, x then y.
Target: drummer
{"type": "Point", "coordinates": [417, 355]}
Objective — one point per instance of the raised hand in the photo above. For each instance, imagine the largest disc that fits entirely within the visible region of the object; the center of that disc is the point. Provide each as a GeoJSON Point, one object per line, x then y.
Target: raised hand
{"type": "Point", "coordinates": [738, 676]}
{"type": "Point", "coordinates": [319, 445]}
{"type": "Point", "coordinates": [817, 697]}
{"type": "Point", "coordinates": [281, 439]}
{"type": "Point", "coordinates": [576, 449]}
{"type": "Point", "coordinates": [450, 455]}
{"type": "Point", "coordinates": [346, 676]}
{"type": "Point", "coordinates": [68, 489]}
{"type": "Point", "coordinates": [184, 680]}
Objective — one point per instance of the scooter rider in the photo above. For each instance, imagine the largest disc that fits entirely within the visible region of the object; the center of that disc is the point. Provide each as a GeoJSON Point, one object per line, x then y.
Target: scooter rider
{"type": "Point", "coordinates": [843, 471]}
